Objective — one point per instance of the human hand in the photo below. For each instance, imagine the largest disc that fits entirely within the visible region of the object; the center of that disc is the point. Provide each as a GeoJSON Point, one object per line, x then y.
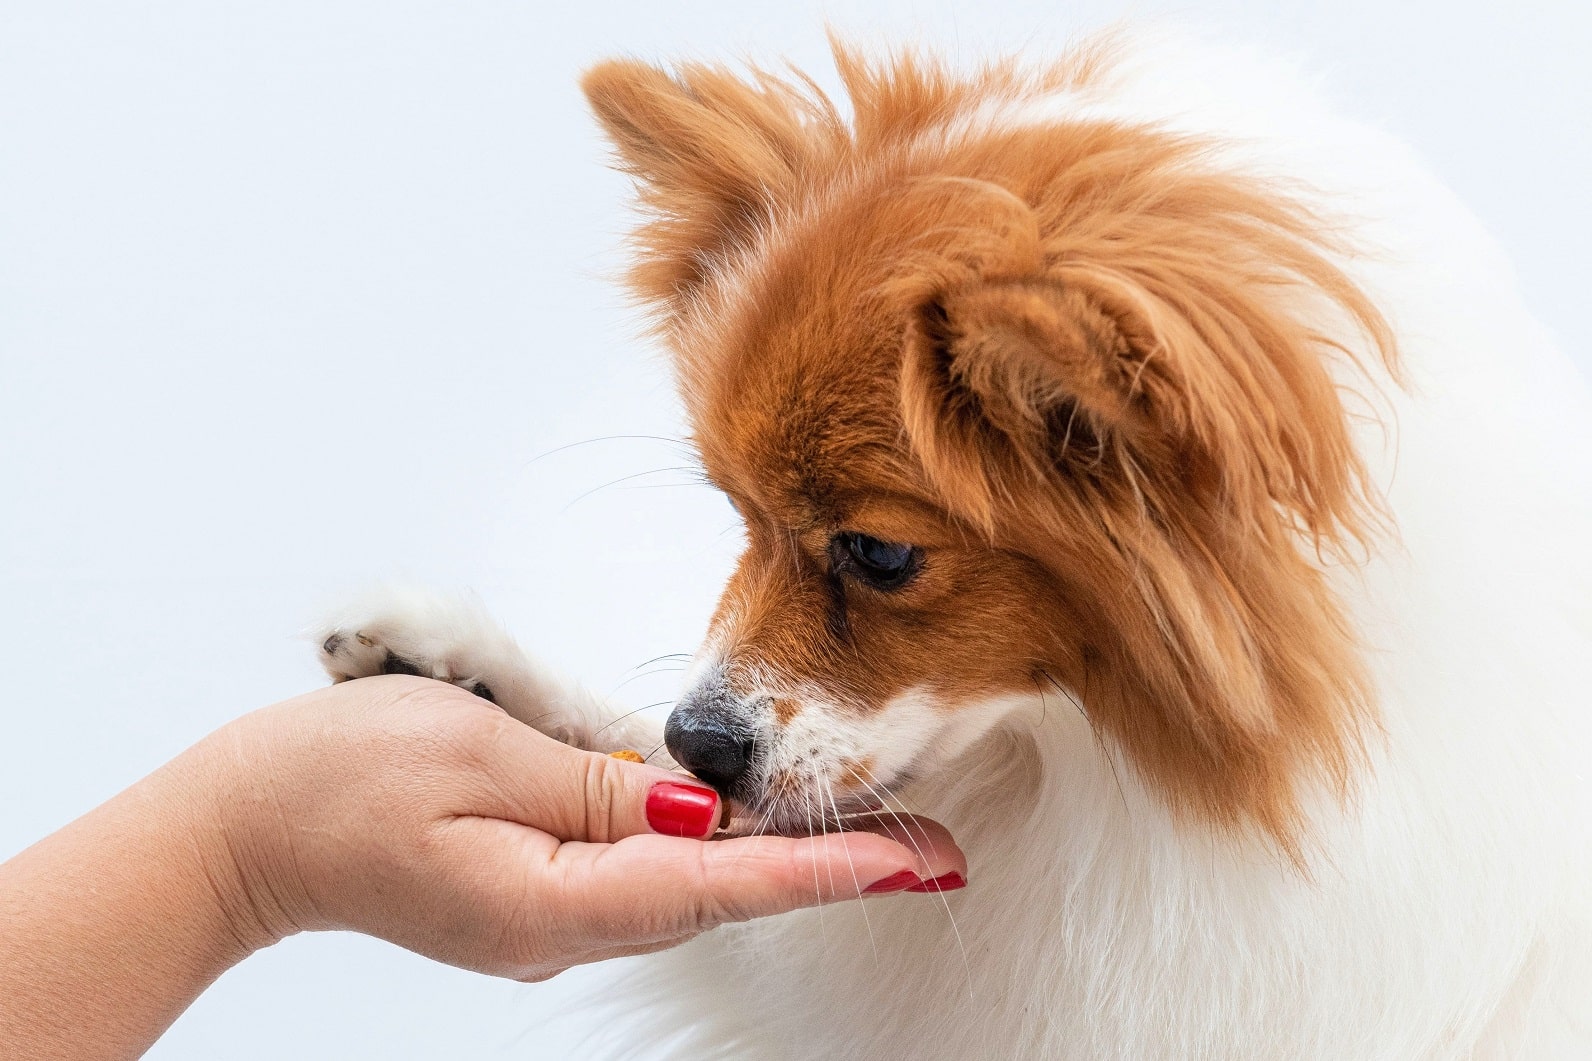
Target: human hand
{"type": "Point", "coordinates": [410, 810]}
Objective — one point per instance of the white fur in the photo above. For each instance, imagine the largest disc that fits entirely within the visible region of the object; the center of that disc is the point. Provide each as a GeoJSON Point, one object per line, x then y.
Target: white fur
{"type": "Point", "coordinates": [1447, 912]}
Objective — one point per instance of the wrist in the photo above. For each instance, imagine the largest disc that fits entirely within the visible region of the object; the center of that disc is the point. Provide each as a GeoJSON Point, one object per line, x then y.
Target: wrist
{"type": "Point", "coordinates": [237, 841]}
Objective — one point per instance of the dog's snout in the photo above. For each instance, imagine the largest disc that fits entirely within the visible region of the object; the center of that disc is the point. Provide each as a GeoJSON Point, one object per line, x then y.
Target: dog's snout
{"type": "Point", "coordinates": [704, 737]}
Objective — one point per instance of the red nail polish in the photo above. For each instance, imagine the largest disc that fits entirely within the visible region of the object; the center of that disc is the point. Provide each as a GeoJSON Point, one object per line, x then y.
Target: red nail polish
{"type": "Point", "coordinates": [948, 882]}
{"type": "Point", "coordinates": [895, 882]}
{"type": "Point", "coordinates": [682, 810]}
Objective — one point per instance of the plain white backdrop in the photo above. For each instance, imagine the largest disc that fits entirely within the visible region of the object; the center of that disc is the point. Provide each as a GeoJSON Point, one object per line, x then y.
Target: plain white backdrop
{"type": "Point", "coordinates": [299, 296]}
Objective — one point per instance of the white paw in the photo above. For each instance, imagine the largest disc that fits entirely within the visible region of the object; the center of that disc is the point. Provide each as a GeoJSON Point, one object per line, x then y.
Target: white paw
{"type": "Point", "coordinates": [450, 638]}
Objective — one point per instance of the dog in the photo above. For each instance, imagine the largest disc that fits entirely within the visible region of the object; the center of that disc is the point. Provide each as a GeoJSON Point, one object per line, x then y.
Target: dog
{"type": "Point", "coordinates": [1158, 480]}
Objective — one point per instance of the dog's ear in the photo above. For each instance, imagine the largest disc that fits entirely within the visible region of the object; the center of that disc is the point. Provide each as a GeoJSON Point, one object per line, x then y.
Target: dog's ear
{"type": "Point", "coordinates": [712, 154]}
{"type": "Point", "coordinates": [1013, 380]}
{"type": "Point", "coordinates": [1069, 372]}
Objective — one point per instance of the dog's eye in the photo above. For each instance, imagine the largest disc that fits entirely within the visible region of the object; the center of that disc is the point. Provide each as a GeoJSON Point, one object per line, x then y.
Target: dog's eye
{"type": "Point", "coordinates": [881, 564]}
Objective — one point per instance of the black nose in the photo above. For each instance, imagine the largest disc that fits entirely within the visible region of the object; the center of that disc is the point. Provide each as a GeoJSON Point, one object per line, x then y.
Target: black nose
{"type": "Point", "coordinates": [704, 743]}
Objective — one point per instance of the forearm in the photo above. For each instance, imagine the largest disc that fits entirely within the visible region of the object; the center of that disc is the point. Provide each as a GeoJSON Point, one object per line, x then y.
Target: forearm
{"type": "Point", "coordinates": [115, 924]}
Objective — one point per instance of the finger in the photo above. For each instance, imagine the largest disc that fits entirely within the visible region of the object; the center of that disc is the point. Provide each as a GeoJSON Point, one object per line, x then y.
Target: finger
{"type": "Point", "coordinates": [576, 795]}
{"type": "Point", "coordinates": [938, 854]}
{"type": "Point", "coordinates": [653, 887]}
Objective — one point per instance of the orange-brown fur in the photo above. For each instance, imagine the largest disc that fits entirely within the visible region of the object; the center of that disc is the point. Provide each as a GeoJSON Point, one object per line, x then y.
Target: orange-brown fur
{"type": "Point", "coordinates": [1080, 368]}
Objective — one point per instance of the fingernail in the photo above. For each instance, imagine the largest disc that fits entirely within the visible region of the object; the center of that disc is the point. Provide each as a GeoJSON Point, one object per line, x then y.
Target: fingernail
{"type": "Point", "coordinates": [682, 810]}
{"type": "Point", "coordinates": [948, 882]}
{"type": "Point", "coordinates": [895, 882]}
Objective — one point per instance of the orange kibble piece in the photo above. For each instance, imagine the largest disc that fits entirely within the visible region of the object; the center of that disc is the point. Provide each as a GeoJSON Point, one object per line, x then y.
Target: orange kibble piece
{"type": "Point", "coordinates": [627, 755]}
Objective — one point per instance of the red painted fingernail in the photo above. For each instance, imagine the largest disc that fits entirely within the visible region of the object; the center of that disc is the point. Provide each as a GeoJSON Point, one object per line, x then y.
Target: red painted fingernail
{"type": "Point", "coordinates": [948, 882]}
{"type": "Point", "coordinates": [895, 882]}
{"type": "Point", "coordinates": [682, 810]}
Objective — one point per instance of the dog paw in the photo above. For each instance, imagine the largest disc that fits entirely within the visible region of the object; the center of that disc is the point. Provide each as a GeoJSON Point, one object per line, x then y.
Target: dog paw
{"type": "Point", "coordinates": [450, 638]}
{"type": "Point", "coordinates": [367, 649]}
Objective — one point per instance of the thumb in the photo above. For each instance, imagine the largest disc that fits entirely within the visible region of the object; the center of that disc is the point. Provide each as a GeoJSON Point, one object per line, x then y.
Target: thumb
{"type": "Point", "coordinates": [578, 795]}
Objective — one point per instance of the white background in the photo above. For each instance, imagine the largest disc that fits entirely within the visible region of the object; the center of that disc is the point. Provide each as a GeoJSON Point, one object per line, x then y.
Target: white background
{"type": "Point", "coordinates": [293, 295]}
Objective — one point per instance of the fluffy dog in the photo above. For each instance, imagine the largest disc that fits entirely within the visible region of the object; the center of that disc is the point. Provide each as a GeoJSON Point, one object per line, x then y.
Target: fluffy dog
{"type": "Point", "coordinates": [1156, 479]}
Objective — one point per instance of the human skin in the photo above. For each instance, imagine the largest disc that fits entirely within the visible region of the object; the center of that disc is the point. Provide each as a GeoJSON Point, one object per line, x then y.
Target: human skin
{"type": "Point", "coordinates": [403, 808]}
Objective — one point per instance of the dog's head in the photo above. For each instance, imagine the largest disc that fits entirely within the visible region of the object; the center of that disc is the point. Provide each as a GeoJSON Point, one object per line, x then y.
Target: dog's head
{"type": "Point", "coordinates": [1009, 410]}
